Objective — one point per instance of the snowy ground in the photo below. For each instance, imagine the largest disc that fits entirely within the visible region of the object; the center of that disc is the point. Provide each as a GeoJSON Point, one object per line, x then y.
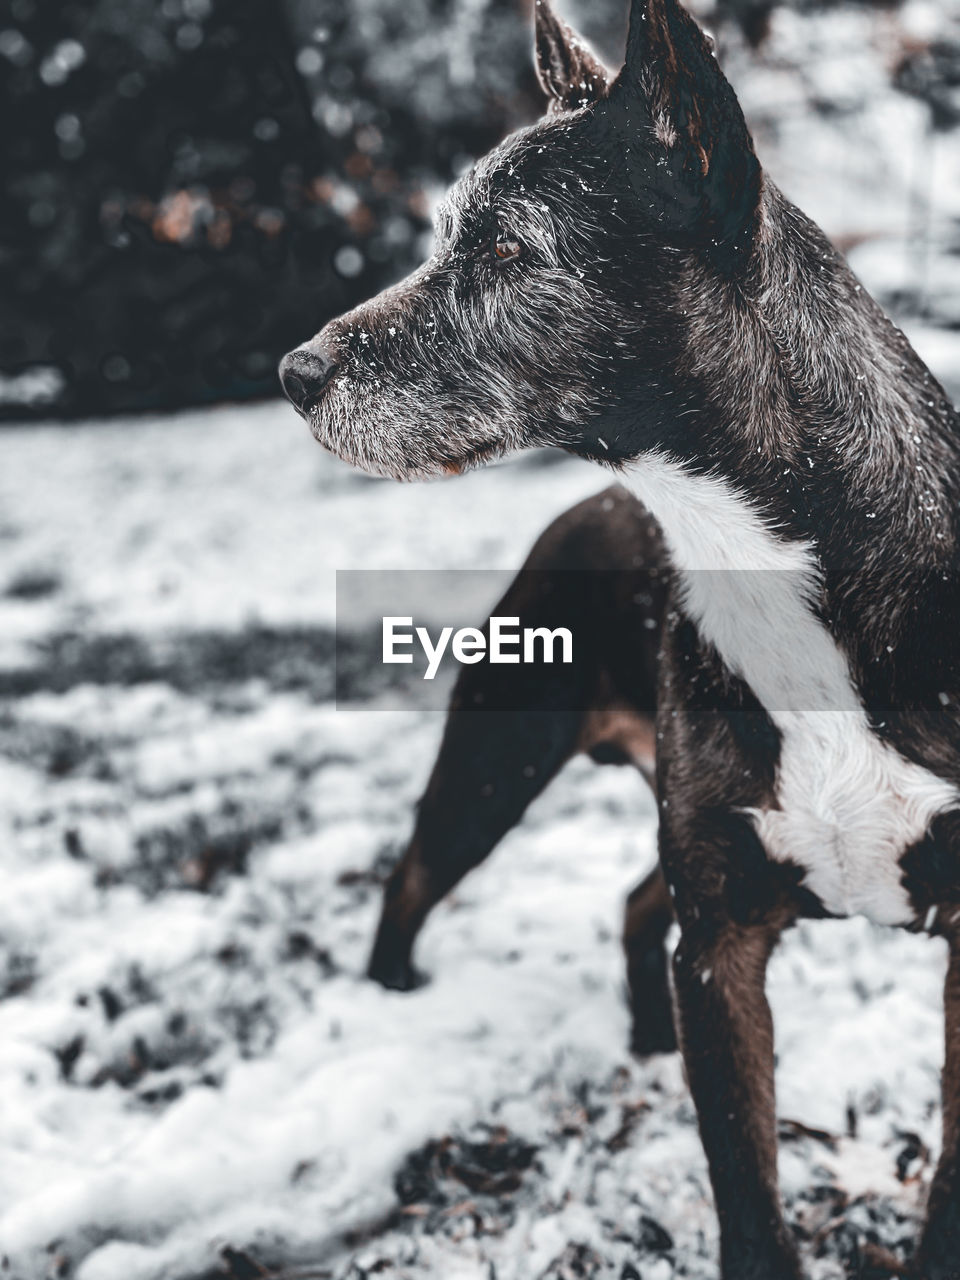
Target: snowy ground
{"type": "Point", "coordinates": [195, 1079]}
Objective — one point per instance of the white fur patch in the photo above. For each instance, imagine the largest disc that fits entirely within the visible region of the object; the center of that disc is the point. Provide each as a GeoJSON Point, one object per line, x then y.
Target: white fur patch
{"type": "Point", "coordinates": [850, 805]}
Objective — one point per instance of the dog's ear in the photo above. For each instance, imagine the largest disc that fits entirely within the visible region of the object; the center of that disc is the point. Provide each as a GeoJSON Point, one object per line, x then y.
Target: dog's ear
{"type": "Point", "coordinates": [570, 73]}
{"type": "Point", "coordinates": [699, 166]}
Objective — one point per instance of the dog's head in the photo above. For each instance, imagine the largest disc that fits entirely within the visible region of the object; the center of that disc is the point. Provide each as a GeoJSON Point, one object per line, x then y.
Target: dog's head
{"type": "Point", "coordinates": [551, 311]}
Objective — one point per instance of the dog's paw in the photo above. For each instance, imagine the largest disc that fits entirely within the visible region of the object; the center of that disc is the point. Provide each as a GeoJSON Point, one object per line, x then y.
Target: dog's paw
{"type": "Point", "coordinates": [396, 975]}
{"type": "Point", "coordinates": [930, 1268]}
{"type": "Point", "coordinates": [938, 1257]}
{"type": "Point", "coordinates": [780, 1266]}
{"type": "Point", "coordinates": [653, 1033]}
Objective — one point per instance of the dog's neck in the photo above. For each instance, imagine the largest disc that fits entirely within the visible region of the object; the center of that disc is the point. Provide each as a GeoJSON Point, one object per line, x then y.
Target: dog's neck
{"type": "Point", "coordinates": [833, 451]}
{"type": "Point", "coordinates": [828, 418]}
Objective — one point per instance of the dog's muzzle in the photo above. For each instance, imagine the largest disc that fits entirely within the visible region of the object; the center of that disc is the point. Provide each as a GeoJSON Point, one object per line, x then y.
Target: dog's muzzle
{"type": "Point", "coordinates": [305, 374]}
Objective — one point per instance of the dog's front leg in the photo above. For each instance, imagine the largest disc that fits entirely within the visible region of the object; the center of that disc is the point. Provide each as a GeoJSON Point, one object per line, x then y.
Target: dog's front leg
{"type": "Point", "coordinates": [939, 1254]}
{"type": "Point", "coordinates": [726, 1035]}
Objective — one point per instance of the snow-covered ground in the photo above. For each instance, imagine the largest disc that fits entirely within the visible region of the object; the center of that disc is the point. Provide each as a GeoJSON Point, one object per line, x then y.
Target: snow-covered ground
{"type": "Point", "coordinates": [195, 1078]}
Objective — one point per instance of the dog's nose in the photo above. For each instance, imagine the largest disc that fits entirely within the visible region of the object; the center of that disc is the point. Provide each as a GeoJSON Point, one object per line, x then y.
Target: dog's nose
{"type": "Point", "coordinates": [303, 375]}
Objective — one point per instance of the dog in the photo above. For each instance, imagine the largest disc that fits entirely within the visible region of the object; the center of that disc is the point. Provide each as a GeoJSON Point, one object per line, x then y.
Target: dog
{"type": "Point", "coordinates": [623, 281]}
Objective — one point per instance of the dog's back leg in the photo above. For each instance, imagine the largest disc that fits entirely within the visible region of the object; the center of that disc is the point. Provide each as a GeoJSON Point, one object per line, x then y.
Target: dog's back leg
{"type": "Point", "coordinates": [511, 729]}
{"type": "Point", "coordinates": [611, 736]}
{"type": "Point", "coordinates": [648, 917]}
{"type": "Point", "coordinates": [490, 767]}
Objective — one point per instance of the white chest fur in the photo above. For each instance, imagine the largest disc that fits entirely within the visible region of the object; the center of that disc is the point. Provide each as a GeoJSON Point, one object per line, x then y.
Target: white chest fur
{"type": "Point", "coordinates": [849, 803]}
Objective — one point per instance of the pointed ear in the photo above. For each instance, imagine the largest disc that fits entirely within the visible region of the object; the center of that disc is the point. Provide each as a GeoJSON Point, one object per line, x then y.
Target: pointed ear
{"type": "Point", "coordinates": [570, 72]}
{"type": "Point", "coordinates": [672, 87]}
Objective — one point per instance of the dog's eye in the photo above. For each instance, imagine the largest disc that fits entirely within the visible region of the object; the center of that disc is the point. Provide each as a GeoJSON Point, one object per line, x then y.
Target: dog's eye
{"type": "Point", "coordinates": [504, 246]}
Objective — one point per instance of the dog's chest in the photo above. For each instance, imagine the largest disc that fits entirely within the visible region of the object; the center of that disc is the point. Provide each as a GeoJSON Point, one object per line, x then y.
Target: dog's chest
{"type": "Point", "coordinates": [848, 805]}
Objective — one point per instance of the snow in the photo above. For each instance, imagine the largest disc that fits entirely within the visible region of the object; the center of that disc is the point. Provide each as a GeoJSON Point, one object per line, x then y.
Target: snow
{"type": "Point", "coordinates": [39, 385]}
{"type": "Point", "coordinates": [207, 473]}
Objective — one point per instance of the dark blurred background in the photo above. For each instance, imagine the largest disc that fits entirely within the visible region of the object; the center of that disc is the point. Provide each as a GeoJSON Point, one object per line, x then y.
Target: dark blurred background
{"type": "Point", "coordinates": [191, 187]}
